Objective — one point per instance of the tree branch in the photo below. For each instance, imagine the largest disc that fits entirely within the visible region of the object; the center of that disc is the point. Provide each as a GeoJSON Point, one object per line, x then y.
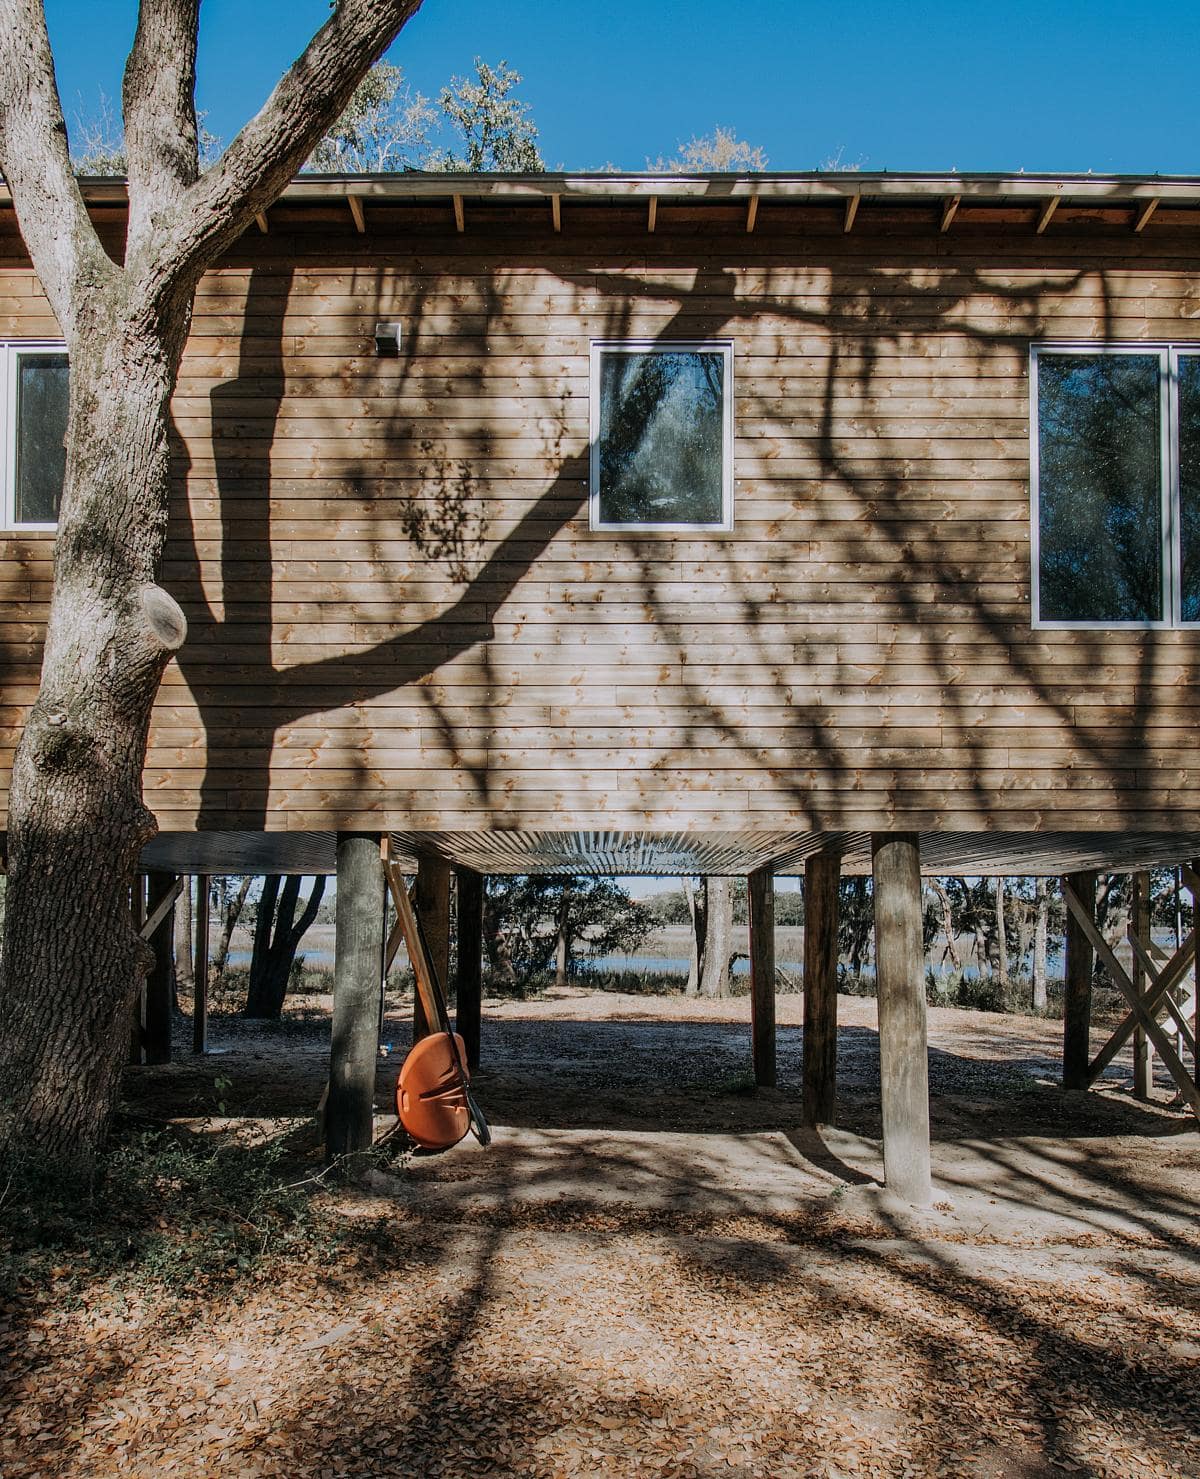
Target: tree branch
{"type": "Point", "coordinates": [160, 112]}
{"type": "Point", "coordinates": [36, 164]}
{"type": "Point", "coordinates": [252, 172]}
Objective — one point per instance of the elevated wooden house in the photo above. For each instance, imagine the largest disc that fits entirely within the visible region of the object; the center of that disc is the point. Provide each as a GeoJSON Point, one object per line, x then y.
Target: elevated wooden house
{"type": "Point", "coordinates": [668, 524]}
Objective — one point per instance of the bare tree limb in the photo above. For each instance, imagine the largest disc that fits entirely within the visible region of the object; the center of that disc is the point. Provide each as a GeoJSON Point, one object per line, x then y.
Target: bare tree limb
{"type": "Point", "coordinates": [160, 113]}
{"type": "Point", "coordinates": [223, 202]}
{"type": "Point", "coordinates": [36, 163]}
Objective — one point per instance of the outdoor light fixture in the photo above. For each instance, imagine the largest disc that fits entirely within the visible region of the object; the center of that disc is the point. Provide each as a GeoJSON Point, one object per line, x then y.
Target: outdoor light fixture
{"type": "Point", "coordinates": [387, 340]}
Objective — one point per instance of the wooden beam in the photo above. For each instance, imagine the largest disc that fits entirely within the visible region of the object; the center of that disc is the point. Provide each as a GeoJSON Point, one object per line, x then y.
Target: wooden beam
{"type": "Point", "coordinates": [1166, 1049]}
{"type": "Point", "coordinates": [1139, 927]}
{"type": "Point", "coordinates": [200, 969]}
{"type": "Point", "coordinates": [761, 889]}
{"type": "Point", "coordinates": [164, 889]}
{"type": "Point", "coordinates": [260, 220]}
{"type": "Point", "coordinates": [460, 219]}
{"type": "Point", "coordinates": [950, 210]}
{"type": "Point", "coordinates": [158, 911]}
{"type": "Point", "coordinates": [851, 212]}
{"type": "Point", "coordinates": [1142, 216]}
{"type": "Point", "coordinates": [1162, 981]}
{"type": "Point", "coordinates": [1047, 212]}
{"type": "Point", "coordinates": [556, 211]}
{"type": "Point", "coordinates": [652, 218]}
{"type": "Point", "coordinates": [903, 1037]}
{"type": "Point", "coordinates": [1077, 987]}
{"type": "Point", "coordinates": [468, 1009]}
{"type": "Point", "coordinates": [433, 910]}
{"type": "Point", "coordinates": [137, 1014]}
{"type": "Point", "coordinates": [821, 875]}
{"type": "Point", "coordinates": [751, 213]}
{"type": "Point", "coordinates": [1159, 995]}
{"type": "Point", "coordinates": [358, 212]}
{"type": "Point", "coordinates": [358, 939]}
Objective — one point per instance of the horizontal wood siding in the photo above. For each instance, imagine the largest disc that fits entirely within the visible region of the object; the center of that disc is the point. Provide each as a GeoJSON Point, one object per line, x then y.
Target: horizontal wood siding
{"type": "Point", "coordinates": [855, 654]}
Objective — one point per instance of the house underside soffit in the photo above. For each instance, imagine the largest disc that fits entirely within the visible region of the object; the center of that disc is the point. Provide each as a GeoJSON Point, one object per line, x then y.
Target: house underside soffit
{"type": "Point", "coordinates": [667, 854]}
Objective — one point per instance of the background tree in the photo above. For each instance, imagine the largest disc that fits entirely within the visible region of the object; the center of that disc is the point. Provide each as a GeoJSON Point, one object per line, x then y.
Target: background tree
{"type": "Point", "coordinates": [720, 150]}
{"type": "Point", "coordinates": [277, 936]}
{"type": "Point", "coordinates": [77, 821]}
{"type": "Point", "coordinates": [386, 127]}
{"type": "Point", "coordinates": [856, 921]}
{"type": "Point", "coordinates": [716, 962]}
{"type": "Point", "coordinates": [229, 899]}
{"type": "Point", "coordinates": [494, 128]}
{"type": "Point", "coordinates": [532, 920]}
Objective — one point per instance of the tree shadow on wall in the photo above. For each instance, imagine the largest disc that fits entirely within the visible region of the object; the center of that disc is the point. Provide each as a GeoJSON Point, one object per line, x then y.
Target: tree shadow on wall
{"type": "Point", "coordinates": [774, 649]}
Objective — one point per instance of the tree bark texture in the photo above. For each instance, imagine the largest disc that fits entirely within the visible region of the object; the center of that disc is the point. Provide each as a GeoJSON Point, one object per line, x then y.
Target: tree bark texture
{"type": "Point", "coordinates": [77, 820]}
{"type": "Point", "coordinates": [184, 979]}
{"type": "Point", "coordinates": [160, 982]}
{"type": "Point", "coordinates": [357, 982]}
{"type": "Point", "coordinates": [821, 878]}
{"type": "Point", "coordinates": [718, 937]}
{"type": "Point", "coordinates": [903, 1041]}
{"type": "Point", "coordinates": [696, 923]}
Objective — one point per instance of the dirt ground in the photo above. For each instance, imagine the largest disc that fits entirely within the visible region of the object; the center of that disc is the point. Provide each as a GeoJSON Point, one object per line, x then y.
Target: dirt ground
{"type": "Point", "coordinates": [656, 1270]}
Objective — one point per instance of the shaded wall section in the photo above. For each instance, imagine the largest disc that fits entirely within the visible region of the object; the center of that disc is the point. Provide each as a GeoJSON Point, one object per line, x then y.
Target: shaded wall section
{"type": "Point", "coordinates": [400, 618]}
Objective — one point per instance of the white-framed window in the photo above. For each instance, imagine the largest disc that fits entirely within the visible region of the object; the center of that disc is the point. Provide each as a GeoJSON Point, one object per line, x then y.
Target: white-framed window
{"type": "Point", "coordinates": [33, 429]}
{"type": "Point", "coordinates": [661, 435]}
{"type": "Point", "coordinates": [1115, 480]}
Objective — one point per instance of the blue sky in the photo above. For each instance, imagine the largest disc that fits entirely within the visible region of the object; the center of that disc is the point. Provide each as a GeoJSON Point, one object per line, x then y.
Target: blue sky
{"type": "Point", "coordinates": [1108, 87]}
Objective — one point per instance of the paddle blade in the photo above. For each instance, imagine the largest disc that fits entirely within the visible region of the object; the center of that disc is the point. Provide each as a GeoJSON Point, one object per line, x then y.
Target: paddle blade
{"type": "Point", "coordinates": [431, 1097]}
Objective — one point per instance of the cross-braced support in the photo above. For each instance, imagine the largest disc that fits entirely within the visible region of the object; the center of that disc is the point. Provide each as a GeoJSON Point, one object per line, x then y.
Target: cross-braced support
{"type": "Point", "coordinates": [1144, 1007]}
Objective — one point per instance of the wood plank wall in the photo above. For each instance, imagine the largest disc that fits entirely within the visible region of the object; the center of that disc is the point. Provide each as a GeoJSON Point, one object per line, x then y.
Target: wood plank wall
{"type": "Point", "coordinates": [855, 654]}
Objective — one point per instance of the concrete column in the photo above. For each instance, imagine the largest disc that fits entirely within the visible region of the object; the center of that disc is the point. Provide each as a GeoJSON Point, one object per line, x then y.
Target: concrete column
{"type": "Point", "coordinates": [903, 1044]}
{"type": "Point", "coordinates": [821, 876]}
{"type": "Point", "coordinates": [469, 982]}
{"type": "Point", "coordinates": [761, 913]}
{"type": "Point", "coordinates": [1077, 1002]}
{"type": "Point", "coordinates": [160, 983]}
{"type": "Point", "coordinates": [433, 912]}
{"type": "Point", "coordinates": [349, 1110]}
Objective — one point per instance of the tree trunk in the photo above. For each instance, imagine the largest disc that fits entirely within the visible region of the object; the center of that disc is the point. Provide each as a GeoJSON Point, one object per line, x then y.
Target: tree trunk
{"type": "Point", "coordinates": [76, 818]}
{"type": "Point", "coordinates": [697, 902]}
{"type": "Point", "coordinates": [943, 899]}
{"type": "Point", "coordinates": [271, 967]}
{"type": "Point", "coordinates": [1001, 935]}
{"type": "Point", "coordinates": [234, 904]}
{"type": "Point", "coordinates": [77, 823]}
{"type": "Point", "coordinates": [1041, 897]}
{"type": "Point", "coordinates": [718, 937]}
{"type": "Point", "coordinates": [184, 975]}
{"type": "Point", "coordinates": [562, 943]}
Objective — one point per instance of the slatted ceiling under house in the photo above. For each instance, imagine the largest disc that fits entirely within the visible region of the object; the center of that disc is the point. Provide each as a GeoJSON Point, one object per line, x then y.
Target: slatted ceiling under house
{"type": "Point", "coordinates": [627, 854]}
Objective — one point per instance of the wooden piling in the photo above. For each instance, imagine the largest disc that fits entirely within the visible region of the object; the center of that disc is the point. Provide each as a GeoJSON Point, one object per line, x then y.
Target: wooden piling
{"type": "Point", "coordinates": [433, 911]}
{"type": "Point", "coordinates": [903, 1043]}
{"type": "Point", "coordinates": [200, 969]}
{"type": "Point", "coordinates": [1143, 1051]}
{"type": "Point", "coordinates": [160, 983]}
{"type": "Point", "coordinates": [469, 981]}
{"type": "Point", "coordinates": [349, 1111]}
{"type": "Point", "coordinates": [821, 876]}
{"type": "Point", "coordinates": [761, 893]}
{"type": "Point", "coordinates": [1077, 999]}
